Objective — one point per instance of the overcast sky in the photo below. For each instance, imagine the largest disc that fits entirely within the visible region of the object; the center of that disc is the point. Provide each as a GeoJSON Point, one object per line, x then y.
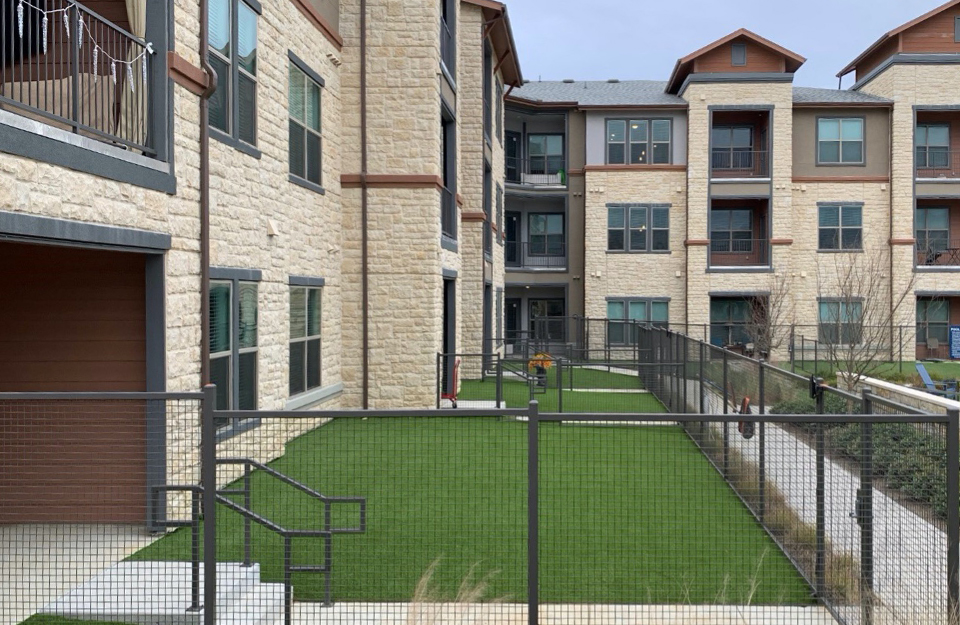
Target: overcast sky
{"type": "Point", "coordinates": [642, 39]}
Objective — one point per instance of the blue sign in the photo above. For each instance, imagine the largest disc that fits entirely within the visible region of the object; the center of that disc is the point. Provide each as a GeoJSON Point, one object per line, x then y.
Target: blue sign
{"type": "Point", "coordinates": [955, 342]}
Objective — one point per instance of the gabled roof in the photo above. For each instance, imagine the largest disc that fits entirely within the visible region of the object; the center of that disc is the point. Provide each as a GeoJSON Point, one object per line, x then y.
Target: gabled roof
{"type": "Point", "coordinates": [817, 96]}
{"type": "Point", "coordinates": [683, 66]}
{"type": "Point", "coordinates": [598, 93]}
{"type": "Point", "coordinates": [501, 35]}
{"type": "Point", "coordinates": [893, 33]}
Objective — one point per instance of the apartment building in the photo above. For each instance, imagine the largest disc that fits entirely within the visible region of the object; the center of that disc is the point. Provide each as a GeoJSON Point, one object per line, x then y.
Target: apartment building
{"type": "Point", "coordinates": [725, 192]}
{"type": "Point", "coordinates": [316, 243]}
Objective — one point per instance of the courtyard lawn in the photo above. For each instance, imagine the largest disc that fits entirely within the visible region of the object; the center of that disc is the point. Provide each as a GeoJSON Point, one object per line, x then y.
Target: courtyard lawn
{"type": "Point", "coordinates": [627, 515]}
{"type": "Point", "coordinates": [888, 370]}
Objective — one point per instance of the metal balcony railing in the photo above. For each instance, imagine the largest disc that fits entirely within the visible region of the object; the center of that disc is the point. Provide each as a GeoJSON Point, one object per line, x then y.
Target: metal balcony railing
{"type": "Point", "coordinates": [739, 253]}
{"type": "Point", "coordinates": [737, 163]}
{"type": "Point", "coordinates": [537, 171]}
{"type": "Point", "coordinates": [448, 213]}
{"type": "Point", "coordinates": [448, 48]}
{"type": "Point", "coordinates": [73, 69]}
{"type": "Point", "coordinates": [933, 163]}
{"type": "Point", "coordinates": [944, 253]}
{"type": "Point", "coordinates": [535, 254]}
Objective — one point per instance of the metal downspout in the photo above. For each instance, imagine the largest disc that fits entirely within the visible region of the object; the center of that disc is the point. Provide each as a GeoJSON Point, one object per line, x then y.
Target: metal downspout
{"type": "Point", "coordinates": [205, 197]}
{"type": "Point", "coordinates": [364, 279]}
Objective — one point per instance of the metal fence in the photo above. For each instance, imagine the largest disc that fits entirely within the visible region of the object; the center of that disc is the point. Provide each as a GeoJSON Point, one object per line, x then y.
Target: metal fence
{"type": "Point", "coordinates": [814, 506]}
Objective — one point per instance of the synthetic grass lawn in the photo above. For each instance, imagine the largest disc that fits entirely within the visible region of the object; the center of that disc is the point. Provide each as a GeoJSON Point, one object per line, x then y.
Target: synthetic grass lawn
{"type": "Point", "coordinates": [937, 370]}
{"type": "Point", "coordinates": [49, 619]}
{"type": "Point", "coordinates": [627, 515]}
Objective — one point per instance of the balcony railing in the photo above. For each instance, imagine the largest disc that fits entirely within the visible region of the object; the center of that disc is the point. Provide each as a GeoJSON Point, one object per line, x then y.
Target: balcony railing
{"type": "Point", "coordinates": [448, 213]}
{"type": "Point", "coordinates": [734, 163]}
{"type": "Point", "coordinates": [740, 253]}
{"type": "Point", "coordinates": [78, 72]}
{"type": "Point", "coordinates": [944, 253]}
{"type": "Point", "coordinates": [448, 49]}
{"type": "Point", "coordinates": [936, 164]}
{"type": "Point", "coordinates": [535, 255]}
{"type": "Point", "coordinates": [537, 171]}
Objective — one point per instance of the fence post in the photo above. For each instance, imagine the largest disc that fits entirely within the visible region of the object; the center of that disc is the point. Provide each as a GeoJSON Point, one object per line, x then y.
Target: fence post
{"type": "Point", "coordinates": [864, 512]}
{"type": "Point", "coordinates": [793, 348]}
{"type": "Point", "coordinates": [686, 348]}
{"type": "Point", "coordinates": [208, 480]}
{"type": "Point", "coordinates": [726, 426]}
{"type": "Point", "coordinates": [75, 72]}
{"type": "Point", "coordinates": [559, 384]}
{"type": "Point", "coordinates": [499, 395]}
{"type": "Point", "coordinates": [953, 516]}
{"type": "Point", "coordinates": [533, 520]}
{"type": "Point", "coordinates": [762, 442]}
{"type": "Point", "coordinates": [820, 565]}
{"type": "Point", "coordinates": [702, 389]}
{"type": "Point", "coordinates": [900, 344]}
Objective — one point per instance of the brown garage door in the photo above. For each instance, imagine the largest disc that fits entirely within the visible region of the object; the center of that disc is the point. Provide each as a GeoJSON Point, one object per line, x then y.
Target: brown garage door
{"type": "Point", "coordinates": [72, 319]}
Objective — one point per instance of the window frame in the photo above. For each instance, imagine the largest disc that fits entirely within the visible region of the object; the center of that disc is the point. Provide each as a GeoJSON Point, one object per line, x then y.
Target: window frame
{"type": "Point", "coordinates": [734, 48]}
{"type": "Point", "coordinates": [841, 207]}
{"type": "Point", "coordinates": [926, 146]}
{"type": "Point", "coordinates": [626, 301]}
{"type": "Point", "coordinates": [312, 76]}
{"type": "Point", "coordinates": [306, 339]}
{"type": "Point", "coordinates": [730, 150]}
{"type": "Point", "coordinates": [650, 143]}
{"type": "Point", "coordinates": [731, 326]}
{"type": "Point", "coordinates": [552, 320]}
{"type": "Point", "coordinates": [546, 235]}
{"type": "Point", "coordinates": [732, 242]}
{"type": "Point", "coordinates": [230, 82]}
{"type": "Point", "coordinates": [235, 278]}
{"type": "Point", "coordinates": [923, 322]}
{"type": "Point", "coordinates": [926, 230]}
{"type": "Point", "coordinates": [863, 142]}
{"type": "Point", "coordinates": [839, 326]}
{"type": "Point", "coordinates": [647, 227]}
{"type": "Point", "coordinates": [546, 156]}
{"type": "Point", "coordinates": [500, 233]}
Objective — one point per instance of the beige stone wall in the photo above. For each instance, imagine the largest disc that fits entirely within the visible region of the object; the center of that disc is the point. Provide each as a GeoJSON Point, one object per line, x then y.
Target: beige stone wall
{"type": "Point", "coordinates": [634, 274]}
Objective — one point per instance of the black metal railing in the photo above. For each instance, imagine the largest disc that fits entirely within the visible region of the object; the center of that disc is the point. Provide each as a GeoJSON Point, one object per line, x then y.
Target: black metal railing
{"type": "Point", "coordinates": [739, 252]}
{"type": "Point", "coordinates": [735, 163]}
{"type": "Point", "coordinates": [448, 213]}
{"type": "Point", "coordinates": [943, 253]}
{"type": "Point", "coordinates": [448, 47]}
{"type": "Point", "coordinates": [71, 68]}
{"type": "Point", "coordinates": [537, 171]}
{"type": "Point", "coordinates": [542, 254]}
{"type": "Point", "coordinates": [933, 163]}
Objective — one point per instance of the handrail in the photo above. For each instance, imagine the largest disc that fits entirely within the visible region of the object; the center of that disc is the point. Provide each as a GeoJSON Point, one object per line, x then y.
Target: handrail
{"type": "Point", "coordinates": [288, 534]}
{"type": "Point", "coordinates": [193, 523]}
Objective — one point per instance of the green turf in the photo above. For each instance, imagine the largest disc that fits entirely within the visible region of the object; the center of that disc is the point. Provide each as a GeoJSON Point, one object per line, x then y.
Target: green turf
{"type": "Point", "coordinates": [627, 514]}
{"type": "Point", "coordinates": [49, 619]}
{"type": "Point", "coordinates": [892, 371]}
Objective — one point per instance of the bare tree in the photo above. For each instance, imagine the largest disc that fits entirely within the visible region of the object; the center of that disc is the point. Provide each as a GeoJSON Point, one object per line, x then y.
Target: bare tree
{"type": "Point", "coordinates": [767, 325]}
{"type": "Point", "coordinates": [860, 305]}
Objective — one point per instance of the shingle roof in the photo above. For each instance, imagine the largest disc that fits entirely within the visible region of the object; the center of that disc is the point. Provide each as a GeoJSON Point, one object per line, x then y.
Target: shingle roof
{"type": "Point", "coordinates": [651, 93]}
{"type": "Point", "coordinates": [813, 95]}
{"type": "Point", "coordinates": [600, 93]}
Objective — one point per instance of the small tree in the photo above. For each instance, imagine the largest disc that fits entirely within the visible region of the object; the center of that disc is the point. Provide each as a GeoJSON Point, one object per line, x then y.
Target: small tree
{"type": "Point", "coordinates": [859, 307]}
{"type": "Point", "coordinates": [767, 325]}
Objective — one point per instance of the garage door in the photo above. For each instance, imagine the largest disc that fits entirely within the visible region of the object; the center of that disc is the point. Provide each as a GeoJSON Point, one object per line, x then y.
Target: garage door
{"type": "Point", "coordinates": [72, 319]}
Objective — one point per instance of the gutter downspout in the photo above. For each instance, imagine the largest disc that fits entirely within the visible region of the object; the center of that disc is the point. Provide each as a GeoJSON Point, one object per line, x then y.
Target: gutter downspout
{"type": "Point", "coordinates": [364, 278]}
{"type": "Point", "coordinates": [205, 197]}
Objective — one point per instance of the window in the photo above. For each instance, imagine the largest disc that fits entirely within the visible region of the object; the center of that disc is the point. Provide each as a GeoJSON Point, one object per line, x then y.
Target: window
{"type": "Point", "coordinates": [448, 39]}
{"type": "Point", "coordinates": [638, 141]}
{"type": "Point", "coordinates": [643, 310]}
{"type": "Point", "coordinates": [933, 229]}
{"type": "Point", "coordinates": [305, 140]}
{"type": "Point", "coordinates": [499, 214]}
{"type": "Point", "coordinates": [487, 222]}
{"type": "Point", "coordinates": [487, 92]}
{"type": "Point", "coordinates": [500, 112]}
{"type": "Point", "coordinates": [499, 312]}
{"type": "Point", "coordinates": [730, 320]}
{"type": "Point", "coordinates": [546, 316]}
{"type": "Point", "coordinates": [933, 320]}
{"type": "Point", "coordinates": [933, 146]}
{"type": "Point", "coordinates": [305, 321]}
{"type": "Point", "coordinates": [731, 230]}
{"type": "Point", "coordinates": [840, 141]}
{"type": "Point", "coordinates": [232, 29]}
{"type": "Point", "coordinates": [546, 234]}
{"type": "Point", "coordinates": [638, 227]}
{"type": "Point", "coordinates": [840, 322]}
{"type": "Point", "coordinates": [732, 147]}
{"type": "Point", "coordinates": [738, 52]}
{"type": "Point", "coordinates": [233, 346]}
{"type": "Point", "coordinates": [841, 227]}
{"type": "Point", "coordinates": [448, 164]}
{"type": "Point", "coordinates": [545, 153]}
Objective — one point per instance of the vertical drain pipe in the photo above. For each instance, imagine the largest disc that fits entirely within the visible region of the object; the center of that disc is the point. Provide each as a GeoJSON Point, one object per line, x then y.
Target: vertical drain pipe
{"type": "Point", "coordinates": [205, 196]}
{"type": "Point", "coordinates": [364, 279]}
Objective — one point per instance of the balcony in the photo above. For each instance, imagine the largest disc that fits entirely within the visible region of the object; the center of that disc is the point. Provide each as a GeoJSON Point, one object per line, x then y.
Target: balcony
{"type": "Point", "coordinates": [537, 171]}
{"type": "Point", "coordinates": [739, 253]}
{"type": "Point", "coordinates": [937, 165]}
{"type": "Point", "coordinates": [736, 163]}
{"type": "Point", "coordinates": [942, 253]}
{"type": "Point", "coordinates": [534, 256]}
{"type": "Point", "coordinates": [95, 86]}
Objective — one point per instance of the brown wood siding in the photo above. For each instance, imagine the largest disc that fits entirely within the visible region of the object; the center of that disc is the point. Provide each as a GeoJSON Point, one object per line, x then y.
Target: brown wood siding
{"type": "Point", "coordinates": [759, 59]}
{"type": "Point", "coordinates": [933, 35]}
{"type": "Point", "coordinates": [878, 56]}
{"type": "Point", "coordinates": [73, 320]}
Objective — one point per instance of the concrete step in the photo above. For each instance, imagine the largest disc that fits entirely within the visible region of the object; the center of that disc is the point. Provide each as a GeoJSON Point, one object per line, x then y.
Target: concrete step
{"type": "Point", "coordinates": [260, 605]}
{"type": "Point", "coordinates": [153, 593]}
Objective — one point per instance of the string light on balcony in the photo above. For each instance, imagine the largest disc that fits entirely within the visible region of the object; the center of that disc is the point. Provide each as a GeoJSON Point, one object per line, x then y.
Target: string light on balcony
{"type": "Point", "coordinates": [82, 30]}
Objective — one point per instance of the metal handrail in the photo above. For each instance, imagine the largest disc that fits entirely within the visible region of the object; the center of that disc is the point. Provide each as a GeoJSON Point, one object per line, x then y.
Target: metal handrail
{"type": "Point", "coordinates": [193, 524]}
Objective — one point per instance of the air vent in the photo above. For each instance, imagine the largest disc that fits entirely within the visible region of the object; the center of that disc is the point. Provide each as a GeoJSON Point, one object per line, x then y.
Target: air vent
{"type": "Point", "coordinates": [569, 81]}
{"type": "Point", "coordinates": [613, 80]}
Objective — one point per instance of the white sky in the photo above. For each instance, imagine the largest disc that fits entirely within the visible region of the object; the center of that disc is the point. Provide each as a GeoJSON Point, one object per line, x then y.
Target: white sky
{"type": "Point", "coordinates": [642, 39]}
